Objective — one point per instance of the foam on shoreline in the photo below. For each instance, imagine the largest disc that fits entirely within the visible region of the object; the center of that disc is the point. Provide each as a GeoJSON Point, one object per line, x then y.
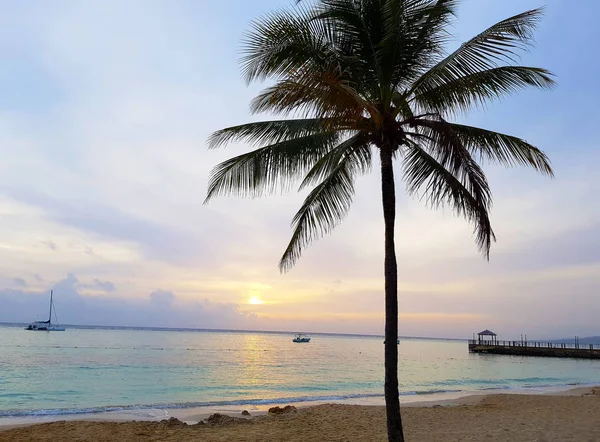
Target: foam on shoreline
{"type": "Point", "coordinates": [194, 414]}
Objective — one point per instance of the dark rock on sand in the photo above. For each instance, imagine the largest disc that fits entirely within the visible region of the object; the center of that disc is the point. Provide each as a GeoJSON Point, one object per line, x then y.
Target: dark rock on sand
{"type": "Point", "coordinates": [173, 422]}
{"type": "Point", "coordinates": [245, 413]}
{"type": "Point", "coordinates": [223, 419]}
{"type": "Point", "coordinates": [284, 410]}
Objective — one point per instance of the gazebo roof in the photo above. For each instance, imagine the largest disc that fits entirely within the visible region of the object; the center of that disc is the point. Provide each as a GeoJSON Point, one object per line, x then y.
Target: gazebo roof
{"type": "Point", "coordinates": [486, 333]}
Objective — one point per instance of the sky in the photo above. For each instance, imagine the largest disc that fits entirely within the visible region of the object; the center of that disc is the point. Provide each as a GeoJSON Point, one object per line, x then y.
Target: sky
{"type": "Point", "coordinates": [105, 108]}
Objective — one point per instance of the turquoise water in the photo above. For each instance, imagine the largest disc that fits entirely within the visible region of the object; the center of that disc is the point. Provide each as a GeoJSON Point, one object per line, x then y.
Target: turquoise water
{"type": "Point", "coordinates": [94, 370]}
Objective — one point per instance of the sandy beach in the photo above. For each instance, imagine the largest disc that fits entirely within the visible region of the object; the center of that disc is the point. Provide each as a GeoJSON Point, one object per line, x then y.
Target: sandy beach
{"type": "Point", "coordinates": [567, 416]}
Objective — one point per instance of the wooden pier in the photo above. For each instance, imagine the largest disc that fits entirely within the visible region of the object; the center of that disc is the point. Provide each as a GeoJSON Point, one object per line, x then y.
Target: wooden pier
{"type": "Point", "coordinates": [487, 343]}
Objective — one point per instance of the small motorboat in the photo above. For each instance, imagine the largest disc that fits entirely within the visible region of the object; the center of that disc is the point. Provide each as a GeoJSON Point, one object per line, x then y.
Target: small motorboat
{"type": "Point", "coordinates": [301, 337]}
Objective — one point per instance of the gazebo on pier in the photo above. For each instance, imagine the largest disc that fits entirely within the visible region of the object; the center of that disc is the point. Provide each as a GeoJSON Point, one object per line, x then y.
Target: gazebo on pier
{"type": "Point", "coordinates": [487, 337]}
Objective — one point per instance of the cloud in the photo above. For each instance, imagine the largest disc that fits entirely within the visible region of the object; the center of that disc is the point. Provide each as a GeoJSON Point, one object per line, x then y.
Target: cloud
{"type": "Point", "coordinates": [105, 286]}
{"type": "Point", "coordinates": [162, 297]}
{"type": "Point", "coordinates": [20, 282]}
{"type": "Point", "coordinates": [160, 309]}
{"type": "Point", "coordinates": [157, 241]}
{"type": "Point", "coordinates": [50, 244]}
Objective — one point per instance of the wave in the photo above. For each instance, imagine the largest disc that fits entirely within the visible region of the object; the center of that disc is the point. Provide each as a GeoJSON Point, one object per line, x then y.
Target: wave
{"type": "Point", "coordinates": [138, 407]}
{"type": "Point", "coordinates": [526, 387]}
{"type": "Point", "coordinates": [499, 382]}
{"type": "Point", "coordinates": [274, 401]}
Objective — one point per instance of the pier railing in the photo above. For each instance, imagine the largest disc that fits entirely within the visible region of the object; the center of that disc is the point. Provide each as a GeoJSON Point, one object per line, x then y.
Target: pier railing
{"type": "Point", "coordinates": [535, 344]}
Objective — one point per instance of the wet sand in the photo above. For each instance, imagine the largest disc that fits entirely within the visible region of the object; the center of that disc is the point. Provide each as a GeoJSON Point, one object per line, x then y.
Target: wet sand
{"type": "Point", "coordinates": [568, 416]}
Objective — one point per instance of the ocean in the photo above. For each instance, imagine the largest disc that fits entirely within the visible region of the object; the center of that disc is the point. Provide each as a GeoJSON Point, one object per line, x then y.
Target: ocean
{"type": "Point", "coordinates": [86, 371]}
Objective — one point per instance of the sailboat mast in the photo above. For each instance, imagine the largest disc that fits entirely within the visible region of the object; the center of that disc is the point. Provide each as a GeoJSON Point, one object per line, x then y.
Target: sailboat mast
{"type": "Point", "coordinates": [50, 317]}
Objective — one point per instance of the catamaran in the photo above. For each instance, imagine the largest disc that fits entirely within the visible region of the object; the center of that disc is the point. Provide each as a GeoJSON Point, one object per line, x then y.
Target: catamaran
{"type": "Point", "coordinates": [45, 325]}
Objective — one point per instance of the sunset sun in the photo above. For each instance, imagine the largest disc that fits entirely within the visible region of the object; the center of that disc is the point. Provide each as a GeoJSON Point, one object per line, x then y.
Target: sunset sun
{"type": "Point", "coordinates": [255, 300]}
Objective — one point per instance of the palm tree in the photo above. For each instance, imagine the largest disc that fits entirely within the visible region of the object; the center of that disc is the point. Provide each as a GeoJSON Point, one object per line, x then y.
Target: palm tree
{"type": "Point", "coordinates": [355, 78]}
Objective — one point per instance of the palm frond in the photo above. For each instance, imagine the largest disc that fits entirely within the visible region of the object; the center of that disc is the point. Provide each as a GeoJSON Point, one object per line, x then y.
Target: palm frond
{"type": "Point", "coordinates": [401, 106]}
{"type": "Point", "coordinates": [478, 88]}
{"type": "Point", "coordinates": [441, 187]}
{"type": "Point", "coordinates": [415, 31]}
{"type": "Point", "coordinates": [263, 132]}
{"type": "Point", "coordinates": [329, 162]}
{"type": "Point", "coordinates": [503, 149]}
{"type": "Point", "coordinates": [283, 41]}
{"type": "Point", "coordinates": [359, 21]}
{"type": "Point", "coordinates": [442, 144]}
{"type": "Point", "coordinates": [326, 205]}
{"type": "Point", "coordinates": [357, 29]}
{"type": "Point", "coordinates": [432, 17]}
{"type": "Point", "coordinates": [497, 44]}
{"type": "Point", "coordinates": [266, 169]}
{"type": "Point", "coordinates": [322, 94]}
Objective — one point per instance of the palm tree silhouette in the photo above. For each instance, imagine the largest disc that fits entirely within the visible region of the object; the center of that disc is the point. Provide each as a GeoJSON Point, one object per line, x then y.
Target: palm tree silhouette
{"type": "Point", "coordinates": [353, 79]}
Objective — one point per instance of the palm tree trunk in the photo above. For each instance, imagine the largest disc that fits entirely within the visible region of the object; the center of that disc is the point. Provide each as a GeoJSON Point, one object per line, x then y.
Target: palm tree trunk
{"type": "Point", "coordinates": [392, 401]}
